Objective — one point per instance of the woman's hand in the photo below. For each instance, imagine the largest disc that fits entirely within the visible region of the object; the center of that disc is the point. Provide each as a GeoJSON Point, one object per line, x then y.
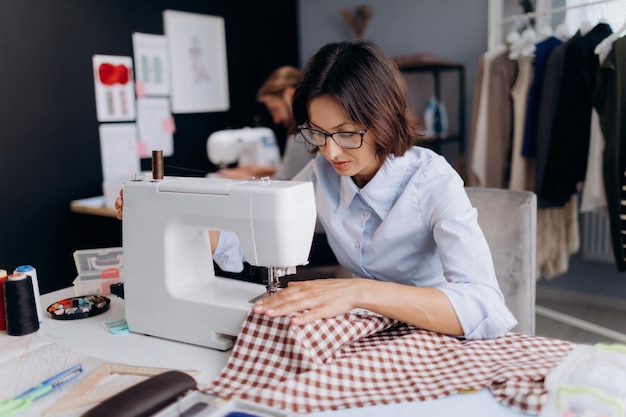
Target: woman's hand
{"type": "Point", "coordinates": [119, 205]}
{"type": "Point", "coordinates": [315, 299]}
{"type": "Point", "coordinates": [424, 307]}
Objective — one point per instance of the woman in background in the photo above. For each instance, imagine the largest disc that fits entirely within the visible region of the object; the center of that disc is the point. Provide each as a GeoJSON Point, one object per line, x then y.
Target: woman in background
{"type": "Point", "coordinates": [276, 94]}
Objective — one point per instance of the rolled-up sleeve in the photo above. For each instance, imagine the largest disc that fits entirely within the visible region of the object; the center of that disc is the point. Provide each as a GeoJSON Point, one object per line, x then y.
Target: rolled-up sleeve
{"type": "Point", "coordinates": [480, 309]}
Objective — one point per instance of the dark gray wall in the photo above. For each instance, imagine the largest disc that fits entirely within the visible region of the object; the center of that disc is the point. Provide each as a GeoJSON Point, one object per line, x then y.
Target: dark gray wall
{"type": "Point", "coordinates": [49, 144]}
{"type": "Point", "coordinates": [455, 30]}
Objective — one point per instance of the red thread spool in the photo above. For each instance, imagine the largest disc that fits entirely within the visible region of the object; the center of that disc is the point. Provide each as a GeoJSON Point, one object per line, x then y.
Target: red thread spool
{"type": "Point", "coordinates": [3, 317]}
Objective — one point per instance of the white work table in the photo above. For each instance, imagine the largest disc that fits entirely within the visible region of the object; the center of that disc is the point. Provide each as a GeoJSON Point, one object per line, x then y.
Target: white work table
{"type": "Point", "coordinates": [89, 337]}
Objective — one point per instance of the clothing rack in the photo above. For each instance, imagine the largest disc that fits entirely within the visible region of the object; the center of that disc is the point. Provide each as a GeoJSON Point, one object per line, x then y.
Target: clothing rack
{"type": "Point", "coordinates": [495, 35]}
{"type": "Point", "coordinates": [550, 11]}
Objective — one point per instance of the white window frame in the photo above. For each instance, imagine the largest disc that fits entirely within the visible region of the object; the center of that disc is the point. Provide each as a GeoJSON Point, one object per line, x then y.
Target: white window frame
{"type": "Point", "coordinates": [496, 10]}
{"type": "Point", "coordinates": [496, 14]}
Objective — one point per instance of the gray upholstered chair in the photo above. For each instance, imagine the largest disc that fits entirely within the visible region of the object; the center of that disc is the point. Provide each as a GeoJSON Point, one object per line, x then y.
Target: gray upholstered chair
{"type": "Point", "coordinates": [509, 221]}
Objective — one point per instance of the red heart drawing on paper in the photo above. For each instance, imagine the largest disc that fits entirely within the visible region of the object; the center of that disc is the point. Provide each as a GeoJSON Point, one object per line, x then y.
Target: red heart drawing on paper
{"type": "Point", "coordinates": [113, 74]}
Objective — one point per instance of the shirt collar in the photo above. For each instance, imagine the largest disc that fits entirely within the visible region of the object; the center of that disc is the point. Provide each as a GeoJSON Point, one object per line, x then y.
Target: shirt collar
{"type": "Point", "coordinates": [380, 193]}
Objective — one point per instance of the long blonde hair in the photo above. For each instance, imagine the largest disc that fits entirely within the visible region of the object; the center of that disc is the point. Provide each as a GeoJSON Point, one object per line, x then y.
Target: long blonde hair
{"type": "Point", "coordinates": [278, 81]}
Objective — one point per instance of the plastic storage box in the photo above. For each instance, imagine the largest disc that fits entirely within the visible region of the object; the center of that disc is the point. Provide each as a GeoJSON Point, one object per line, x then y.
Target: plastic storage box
{"type": "Point", "coordinates": [97, 270]}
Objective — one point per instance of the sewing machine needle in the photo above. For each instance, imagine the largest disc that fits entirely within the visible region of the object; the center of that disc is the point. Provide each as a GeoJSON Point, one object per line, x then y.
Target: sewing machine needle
{"type": "Point", "coordinates": [273, 281]}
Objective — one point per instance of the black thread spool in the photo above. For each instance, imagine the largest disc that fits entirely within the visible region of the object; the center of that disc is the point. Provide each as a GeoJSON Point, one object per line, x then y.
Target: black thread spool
{"type": "Point", "coordinates": [21, 309]}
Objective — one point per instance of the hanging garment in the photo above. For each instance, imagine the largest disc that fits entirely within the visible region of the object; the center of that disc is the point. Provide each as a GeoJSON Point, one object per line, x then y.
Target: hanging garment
{"type": "Point", "coordinates": [557, 227]}
{"type": "Point", "coordinates": [471, 178]}
{"type": "Point", "coordinates": [504, 72]}
{"type": "Point", "coordinates": [548, 102]}
{"type": "Point", "coordinates": [492, 136]}
{"type": "Point", "coordinates": [610, 101]}
{"type": "Point", "coordinates": [593, 196]}
{"type": "Point", "coordinates": [543, 50]}
{"type": "Point", "coordinates": [569, 142]}
{"type": "Point", "coordinates": [558, 238]}
{"type": "Point", "coordinates": [478, 150]}
{"type": "Point", "coordinates": [558, 234]}
{"type": "Point", "coordinates": [522, 168]}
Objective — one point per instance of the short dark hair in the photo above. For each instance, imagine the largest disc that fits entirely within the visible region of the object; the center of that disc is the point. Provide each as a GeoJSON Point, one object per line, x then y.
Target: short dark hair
{"type": "Point", "coordinates": [369, 85]}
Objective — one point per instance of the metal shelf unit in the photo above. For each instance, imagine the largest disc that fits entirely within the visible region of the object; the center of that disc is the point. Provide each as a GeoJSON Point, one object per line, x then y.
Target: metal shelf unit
{"type": "Point", "coordinates": [436, 68]}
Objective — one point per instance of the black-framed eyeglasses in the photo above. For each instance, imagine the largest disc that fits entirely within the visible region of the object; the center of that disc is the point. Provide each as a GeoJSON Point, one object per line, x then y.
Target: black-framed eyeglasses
{"type": "Point", "coordinates": [346, 140]}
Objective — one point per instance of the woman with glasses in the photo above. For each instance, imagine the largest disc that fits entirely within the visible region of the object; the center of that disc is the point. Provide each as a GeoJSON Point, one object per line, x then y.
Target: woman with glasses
{"type": "Point", "coordinates": [396, 215]}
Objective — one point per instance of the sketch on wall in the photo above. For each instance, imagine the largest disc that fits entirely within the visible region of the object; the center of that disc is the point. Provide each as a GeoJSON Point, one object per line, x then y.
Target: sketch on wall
{"type": "Point", "coordinates": [118, 150]}
{"type": "Point", "coordinates": [155, 126]}
{"type": "Point", "coordinates": [113, 81]}
{"type": "Point", "coordinates": [197, 59]}
{"type": "Point", "coordinates": [151, 65]}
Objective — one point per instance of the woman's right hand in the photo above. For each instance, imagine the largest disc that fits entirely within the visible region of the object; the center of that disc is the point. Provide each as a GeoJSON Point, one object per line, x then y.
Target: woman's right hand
{"type": "Point", "coordinates": [119, 205]}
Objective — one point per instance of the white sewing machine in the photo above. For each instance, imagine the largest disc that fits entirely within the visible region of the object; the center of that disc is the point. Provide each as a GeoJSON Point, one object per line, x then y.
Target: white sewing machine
{"type": "Point", "coordinates": [170, 287]}
{"type": "Point", "coordinates": [250, 145]}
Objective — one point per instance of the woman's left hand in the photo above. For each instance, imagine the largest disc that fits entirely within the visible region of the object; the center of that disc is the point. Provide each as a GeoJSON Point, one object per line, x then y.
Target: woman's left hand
{"type": "Point", "coordinates": [315, 299]}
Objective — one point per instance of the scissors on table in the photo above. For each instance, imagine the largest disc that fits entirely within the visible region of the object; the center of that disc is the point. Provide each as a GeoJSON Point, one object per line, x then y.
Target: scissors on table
{"type": "Point", "coordinates": [21, 402]}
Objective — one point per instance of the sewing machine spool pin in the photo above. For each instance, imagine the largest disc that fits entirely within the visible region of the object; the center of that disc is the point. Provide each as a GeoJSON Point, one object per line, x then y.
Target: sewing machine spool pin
{"type": "Point", "coordinates": [157, 165]}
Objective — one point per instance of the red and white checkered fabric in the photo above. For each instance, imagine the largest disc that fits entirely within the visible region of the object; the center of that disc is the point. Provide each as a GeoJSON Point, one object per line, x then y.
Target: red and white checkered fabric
{"type": "Point", "coordinates": [362, 359]}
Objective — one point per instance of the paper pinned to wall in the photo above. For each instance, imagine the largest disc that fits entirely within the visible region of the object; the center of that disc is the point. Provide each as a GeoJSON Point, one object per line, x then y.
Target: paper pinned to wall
{"type": "Point", "coordinates": [118, 149]}
{"type": "Point", "coordinates": [152, 74]}
{"type": "Point", "coordinates": [197, 57]}
{"type": "Point", "coordinates": [155, 126]}
{"type": "Point", "coordinates": [114, 87]}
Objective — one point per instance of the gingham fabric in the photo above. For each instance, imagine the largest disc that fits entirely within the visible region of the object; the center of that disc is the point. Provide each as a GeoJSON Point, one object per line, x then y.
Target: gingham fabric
{"type": "Point", "coordinates": [362, 359]}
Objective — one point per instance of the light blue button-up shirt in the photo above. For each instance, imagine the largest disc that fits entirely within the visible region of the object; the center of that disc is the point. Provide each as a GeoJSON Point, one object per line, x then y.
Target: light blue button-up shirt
{"type": "Point", "coordinates": [412, 224]}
